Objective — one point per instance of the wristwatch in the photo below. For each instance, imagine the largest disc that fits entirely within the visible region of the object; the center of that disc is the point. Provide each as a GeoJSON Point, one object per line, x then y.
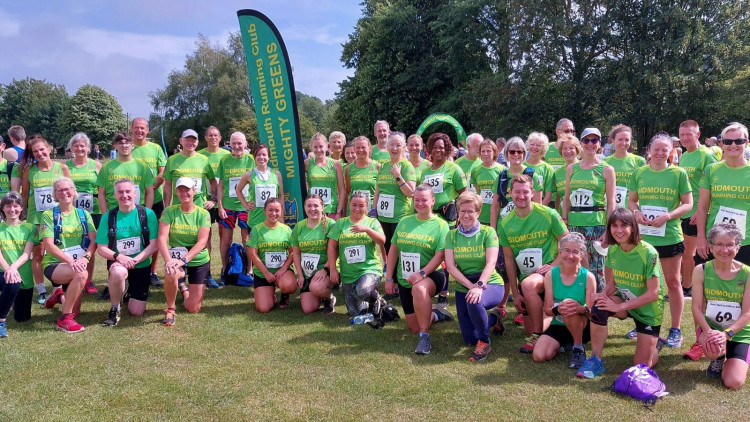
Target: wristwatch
{"type": "Point", "coordinates": [481, 285]}
{"type": "Point", "coordinates": [729, 333]}
{"type": "Point", "coordinates": [422, 273]}
{"type": "Point", "coordinates": [184, 260]}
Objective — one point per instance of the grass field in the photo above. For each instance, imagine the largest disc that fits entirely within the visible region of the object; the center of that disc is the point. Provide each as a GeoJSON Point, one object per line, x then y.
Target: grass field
{"type": "Point", "coordinates": [231, 363]}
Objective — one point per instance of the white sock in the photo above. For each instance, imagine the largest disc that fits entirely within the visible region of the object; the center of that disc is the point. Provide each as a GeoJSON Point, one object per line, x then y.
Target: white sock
{"type": "Point", "coordinates": [40, 288]}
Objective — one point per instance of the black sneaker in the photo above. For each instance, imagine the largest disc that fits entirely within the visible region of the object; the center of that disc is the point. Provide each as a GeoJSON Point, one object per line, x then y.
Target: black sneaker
{"type": "Point", "coordinates": [112, 318]}
{"type": "Point", "coordinates": [442, 315]}
{"type": "Point", "coordinates": [442, 302]}
{"type": "Point", "coordinates": [155, 282]}
{"type": "Point", "coordinates": [688, 293]}
{"type": "Point", "coordinates": [577, 358]}
{"type": "Point", "coordinates": [105, 294]}
{"type": "Point", "coordinates": [715, 368]}
{"type": "Point", "coordinates": [284, 301]}
{"type": "Point", "coordinates": [328, 305]}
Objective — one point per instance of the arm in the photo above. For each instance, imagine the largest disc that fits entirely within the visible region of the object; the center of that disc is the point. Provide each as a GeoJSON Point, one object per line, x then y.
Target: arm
{"type": "Point", "coordinates": [167, 193]}
{"type": "Point", "coordinates": [566, 205]}
{"type": "Point", "coordinates": [149, 199]}
{"type": "Point", "coordinates": [546, 198]}
{"type": "Point", "coordinates": [244, 181]}
{"type": "Point", "coordinates": [701, 217]}
{"type": "Point", "coordinates": [171, 265]}
{"type": "Point", "coordinates": [685, 206]}
{"type": "Point", "coordinates": [333, 255]}
{"type": "Point", "coordinates": [102, 199]}
{"type": "Point", "coordinates": [252, 253]}
{"type": "Point", "coordinates": [297, 260]}
{"type": "Point", "coordinates": [634, 206]}
{"type": "Point", "coordinates": [495, 211]}
{"type": "Point", "coordinates": [220, 199]}
{"type": "Point", "coordinates": [390, 269]}
{"type": "Point", "coordinates": [431, 266]}
{"type": "Point", "coordinates": [200, 244]}
{"type": "Point", "coordinates": [159, 179]}
{"type": "Point", "coordinates": [340, 187]}
{"type": "Point", "coordinates": [65, 170]}
{"type": "Point", "coordinates": [549, 298]}
{"type": "Point", "coordinates": [25, 188]}
{"type": "Point", "coordinates": [281, 189]}
{"type": "Point", "coordinates": [512, 271]}
{"type": "Point", "coordinates": [610, 187]}
{"type": "Point", "coordinates": [378, 238]}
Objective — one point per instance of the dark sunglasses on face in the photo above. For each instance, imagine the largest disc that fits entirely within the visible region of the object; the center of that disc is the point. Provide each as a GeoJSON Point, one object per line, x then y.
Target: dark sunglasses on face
{"type": "Point", "coordinates": [570, 131]}
{"type": "Point", "coordinates": [512, 152]}
{"type": "Point", "coordinates": [739, 141]}
{"type": "Point", "coordinates": [589, 140]}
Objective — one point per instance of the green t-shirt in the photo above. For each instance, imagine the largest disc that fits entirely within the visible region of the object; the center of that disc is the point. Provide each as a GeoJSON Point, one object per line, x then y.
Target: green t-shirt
{"type": "Point", "coordinates": [624, 169]}
{"type": "Point", "coordinates": [115, 170]}
{"type": "Point", "coordinates": [214, 158]}
{"type": "Point", "coordinates": [183, 230]}
{"type": "Point", "coordinates": [483, 180]}
{"type": "Point", "coordinates": [418, 170]}
{"type": "Point", "coordinates": [724, 300]}
{"type": "Point", "coordinates": [554, 158]}
{"type": "Point", "coordinates": [417, 241]}
{"type": "Point", "coordinates": [575, 291]}
{"type": "Point", "coordinates": [230, 172]}
{"type": "Point", "coordinates": [41, 192]}
{"type": "Point", "coordinates": [323, 181]}
{"type": "Point", "coordinates": [378, 155]}
{"type": "Point", "coordinates": [4, 178]}
{"type": "Point", "coordinates": [659, 192]}
{"type": "Point", "coordinates": [587, 189]}
{"type": "Point", "coordinates": [84, 178]}
{"type": "Point", "coordinates": [730, 196]}
{"type": "Point", "coordinates": [559, 187]}
{"type": "Point", "coordinates": [128, 239]}
{"type": "Point", "coordinates": [363, 179]}
{"type": "Point", "coordinates": [533, 238]}
{"type": "Point", "coordinates": [273, 246]}
{"type": "Point", "coordinates": [258, 193]}
{"type": "Point", "coordinates": [446, 181]}
{"type": "Point", "coordinates": [392, 205]}
{"type": "Point", "coordinates": [13, 241]}
{"type": "Point", "coordinates": [469, 253]}
{"type": "Point", "coordinates": [468, 165]}
{"type": "Point", "coordinates": [356, 250]}
{"type": "Point", "coordinates": [71, 235]}
{"type": "Point", "coordinates": [547, 174]}
{"type": "Point", "coordinates": [151, 156]}
{"type": "Point", "coordinates": [503, 189]}
{"type": "Point", "coordinates": [631, 270]}
{"type": "Point", "coordinates": [196, 167]}
{"type": "Point", "coordinates": [694, 164]}
{"type": "Point", "coordinates": [313, 244]}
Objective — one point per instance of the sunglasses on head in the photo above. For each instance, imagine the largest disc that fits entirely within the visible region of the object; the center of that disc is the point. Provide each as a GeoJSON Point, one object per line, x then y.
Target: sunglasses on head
{"type": "Point", "coordinates": [589, 140]}
{"type": "Point", "coordinates": [738, 141]}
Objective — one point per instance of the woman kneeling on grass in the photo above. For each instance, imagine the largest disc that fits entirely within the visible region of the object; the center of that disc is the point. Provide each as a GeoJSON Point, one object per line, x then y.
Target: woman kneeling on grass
{"type": "Point", "coordinates": [568, 290]}
{"type": "Point", "coordinates": [184, 250]}
{"type": "Point", "coordinates": [17, 238]}
{"type": "Point", "coordinates": [721, 307]}
{"type": "Point", "coordinates": [471, 251]}
{"type": "Point", "coordinates": [69, 239]}
{"type": "Point", "coordinates": [310, 254]}
{"type": "Point", "coordinates": [634, 288]}
{"type": "Point", "coordinates": [270, 250]}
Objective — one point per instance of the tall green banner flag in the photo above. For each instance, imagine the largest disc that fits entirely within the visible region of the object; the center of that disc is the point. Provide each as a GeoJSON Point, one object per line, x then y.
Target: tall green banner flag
{"type": "Point", "coordinates": [275, 104]}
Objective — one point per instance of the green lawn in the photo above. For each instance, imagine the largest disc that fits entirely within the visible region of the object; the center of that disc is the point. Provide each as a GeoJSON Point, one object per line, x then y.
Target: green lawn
{"type": "Point", "coordinates": [231, 363]}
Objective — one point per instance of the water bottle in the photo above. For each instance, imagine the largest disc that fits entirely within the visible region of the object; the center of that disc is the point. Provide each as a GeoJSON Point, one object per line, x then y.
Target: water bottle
{"type": "Point", "coordinates": [361, 319]}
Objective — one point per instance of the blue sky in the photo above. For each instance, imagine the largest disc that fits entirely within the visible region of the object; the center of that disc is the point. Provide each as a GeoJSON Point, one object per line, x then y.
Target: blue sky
{"type": "Point", "coordinates": [129, 47]}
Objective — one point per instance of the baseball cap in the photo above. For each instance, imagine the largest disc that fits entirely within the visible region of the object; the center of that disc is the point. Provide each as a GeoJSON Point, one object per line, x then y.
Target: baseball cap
{"type": "Point", "coordinates": [189, 132]}
{"type": "Point", "coordinates": [185, 181]}
{"type": "Point", "coordinates": [591, 131]}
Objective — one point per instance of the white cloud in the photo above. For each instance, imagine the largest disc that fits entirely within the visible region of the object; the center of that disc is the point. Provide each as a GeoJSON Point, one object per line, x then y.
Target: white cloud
{"type": "Point", "coordinates": [322, 35]}
{"type": "Point", "coordinates": [8, 25]}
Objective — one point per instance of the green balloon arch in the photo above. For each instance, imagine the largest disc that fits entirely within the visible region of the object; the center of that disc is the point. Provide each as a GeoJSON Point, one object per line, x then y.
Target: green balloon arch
{"type": "Point", "coordinates": [444, 118]}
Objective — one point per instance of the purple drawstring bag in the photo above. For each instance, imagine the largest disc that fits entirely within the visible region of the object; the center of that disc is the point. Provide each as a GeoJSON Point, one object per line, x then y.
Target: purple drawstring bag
{"type": "Point", "coordinates": [641, 383]}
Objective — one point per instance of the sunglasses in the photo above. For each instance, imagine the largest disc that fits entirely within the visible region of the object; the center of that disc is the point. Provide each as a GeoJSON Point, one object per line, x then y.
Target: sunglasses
{"type": "Point", "coordinates": [590, 140]}
{"type": "Point", "coordinates": [570, 131]}
{"type": "Point", "coordinates": [512, 152]}
{"type": "Point", "coordinates": [738, 141]}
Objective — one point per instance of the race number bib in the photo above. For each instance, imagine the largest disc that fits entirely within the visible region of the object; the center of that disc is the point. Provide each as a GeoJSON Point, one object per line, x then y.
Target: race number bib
{"type": "Point", "coordinates": [435, 181]}
{"type": "Point", "coordinates": [558, 318]}
{"type": "Point", "coordinates": [275, 259]}
{"type": "Point", "coordinates": [729, 215]}
{"type": "Point", "coordinates": [198, 184]}
{"type": "Point", "coordinates": [137, 199]}
{"type": "Point", "coordinates": [310, 263]}
{"type": "Point", "coordinates": [649, 213]}
{"type": "Point", "coordinates": [621, 197]}
{"type": "Point", "coordinates": [486, 195]}
{"type": "Point", "coordinates": [44, 199]}
{"type": "Point", "coordinates": [409, 264]}
{"type": "Point", "coordinates": [723, 313]}
{"type": "Point", "coordinates": [529, 260]}
{"type": "Point", "coordinates": [233, 182]}
{"type": "Point", "coordinates": [627, 295]}
{"type": "Point", "coordinates": [324, 193]}
{"type": "Point", "coordinates": [386, 204]}
{"type": "Point", "coordinates": [179, 252]}
{"type": "Point", "coordinates": [130, 245]}
{"type": "Point", "coordinates": [354, 254]}
{"type": "Point", "coordinates": [366, 194]}
{"type": "Point", "coordinates": [507, 209]}
{"type": "Point", "coordinates": [582, 198]}
{"type": "Point", "coordinates": [74, 252]}
{"type": "Point", "coordinates": [262, 193]}
{"type": "Point", "coordinates": [85, 201]}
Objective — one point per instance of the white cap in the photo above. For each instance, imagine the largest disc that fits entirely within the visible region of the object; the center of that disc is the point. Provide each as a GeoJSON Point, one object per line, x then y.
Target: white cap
{"type": "Point", "coordinates": [189, 132]}
{"type": "Point", "coordinates": [586, 132]}
{"type": "Point", "coordinates": [185, 181]}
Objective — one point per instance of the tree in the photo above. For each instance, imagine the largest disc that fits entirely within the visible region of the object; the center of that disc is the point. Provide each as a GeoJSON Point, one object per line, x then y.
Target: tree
{"type": "Point", "coordinates": [36, 105]}
{"type": "Point", "coordinates": [94, 111]}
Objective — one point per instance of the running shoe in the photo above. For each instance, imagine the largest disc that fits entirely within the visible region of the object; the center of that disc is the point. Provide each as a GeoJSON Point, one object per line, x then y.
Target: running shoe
{"type": "Point", "coordinates": [499, 326]}
{"type": "Point", "coordinates": [284, 301]}
{"type": "Point", "coordinates": [3, 330]}
{"type": "Point", "coordinates": [530, 343]}
{"type": "Point", "coordinates": [112, 318]}
{"type": "Point", "coordinates": [68, 324]}
{"type": "Point", "coordinates": [518, 320]}
{"type": "Point", "coordinates": [565, 348]}
{"type": "Point", "coordinates": [442, 315]}
{"type": "Point", "coordinates": [105, 294]}
{"type": "Point", "coordinates": [480, 352]}
{"type": "Point", "coordinates": [91, 288]}
{"type": "Point", "coordinates": [54, 297]}
{"type": "Point", "coordinates": [675, 338]}
{"type": "Point", "coordinates": [222, 281]}
{"type": "Point", "coordinates": [632, 335]}
{"type": "Point", "coordinates": [211, 283]}
{"type": "Point", "coordinates": [329, 304]}
{"type": "Point", "coordinates": [715, 367]}
{"type": "Point", "coordinates": [41, 298]}
{"type": "Point", "coordinates": [424, 345]}
{"type": "Point", "coordinates": [155, 282]}
{"type": "Point", "coordinates": [695, 352]}
{"type": "Point", "coordinates": [660, 342]}
{"type": "Point", "coordinates": [688, 293]}
{"type": "Point", "coordinates": [169, 317]}
{"type": "Point", "coordinates": [442, 302]}
{"type": "Point", "coordinates": [577, 358]}
{"type": "Point", "coordinates": [591, 368]}
{"type": "Point", "coordinates": [391, 296]}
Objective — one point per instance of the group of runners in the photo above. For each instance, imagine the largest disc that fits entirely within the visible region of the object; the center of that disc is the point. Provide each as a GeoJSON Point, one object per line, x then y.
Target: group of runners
{"type": "Point", "coordinates": [575, 238]}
